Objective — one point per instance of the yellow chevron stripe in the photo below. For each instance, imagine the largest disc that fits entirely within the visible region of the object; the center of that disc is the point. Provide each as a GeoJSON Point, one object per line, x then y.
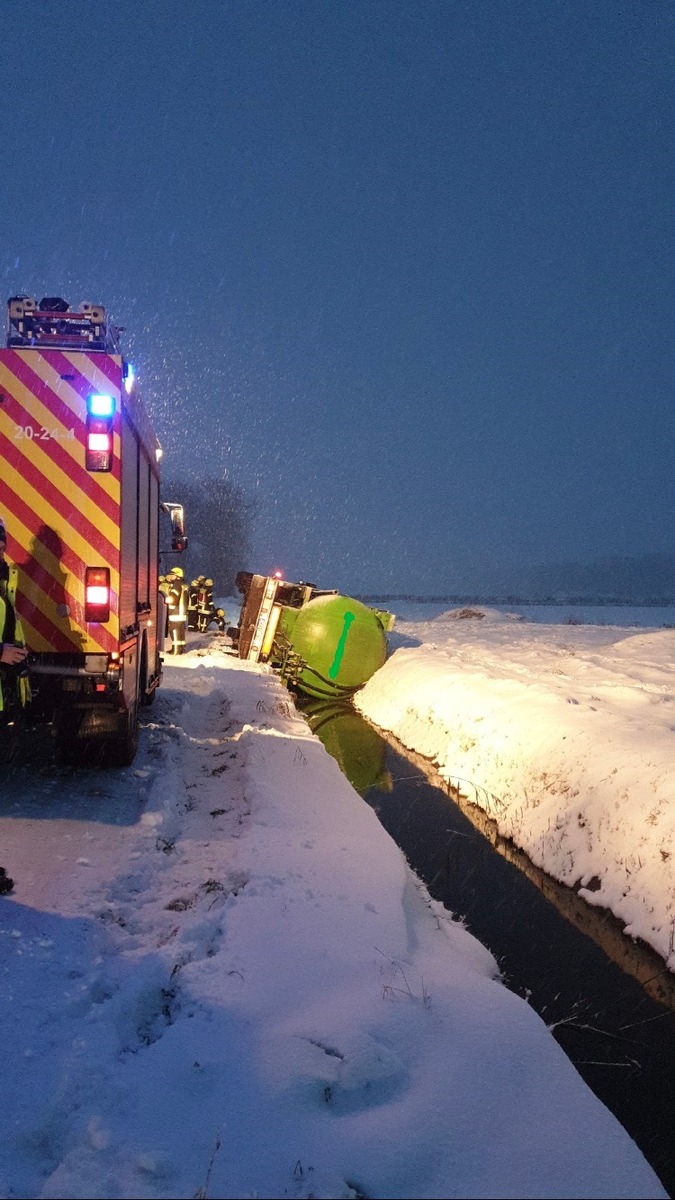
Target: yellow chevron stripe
{"type": "Point", "coordinates": [79, 635]}
{"type": "Point", "coordinates": [36, 642]}
{"type": "Point", "coordinates": [49, 516]}
{"type": "Point", "coordinates": [65, 580]}
{"type": "Point", "coordinates": [87, 367]}
{"type": "Point", "coordinates": [64, 390]}
{"type": "Point", "coordinates": [32, 451]}
{"type": "Point", "coordinates": [54, 567]}
{"type": "Point", "coordinates": [44, 416]}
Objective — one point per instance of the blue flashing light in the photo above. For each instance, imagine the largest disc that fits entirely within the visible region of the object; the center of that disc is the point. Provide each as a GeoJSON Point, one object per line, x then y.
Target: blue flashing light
{"type": "Point", "coordinates": [101, 406]}
{"type": "Point", "coordinates": [129, 377]}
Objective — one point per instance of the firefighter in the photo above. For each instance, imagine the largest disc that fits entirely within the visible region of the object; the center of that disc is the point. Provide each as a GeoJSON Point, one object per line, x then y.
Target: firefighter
{"type": "Point", "coordinates": [14, 689]}
{"type": "Point", "coordinates": [193, 604]}
{"type": "Point", "coordinates": [175, 591]}
{"type": "Point", "coordinates": [198, 594]}
{"type": "Point", "coordinates": [207, 613]}
{"type": "Point", "coordinates": [205, 604]}
{"type": "Point", "coordinates": [163, 610]}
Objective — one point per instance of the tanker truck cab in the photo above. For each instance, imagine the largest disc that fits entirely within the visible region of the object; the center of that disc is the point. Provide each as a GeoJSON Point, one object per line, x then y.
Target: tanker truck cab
{"type": "Point", "coordinates": [79, 490]}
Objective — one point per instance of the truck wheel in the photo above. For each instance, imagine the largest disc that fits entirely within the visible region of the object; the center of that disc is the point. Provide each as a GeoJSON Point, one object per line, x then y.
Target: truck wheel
{"type": "Point", "coordinates": [146, 696]}
{"type": "Point", "coordinates": [121, 750]}
{"type": "Point", "coordinates": [70, 749]}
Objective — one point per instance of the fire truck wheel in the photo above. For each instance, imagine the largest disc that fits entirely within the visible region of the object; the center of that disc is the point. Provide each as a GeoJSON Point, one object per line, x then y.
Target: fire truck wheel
{"type": "Point", "coordinates": [121, 751]}
{"type": "Point", "coordinates": [146, 696]}
{"type": "Point", "coordinates": [70, 748]}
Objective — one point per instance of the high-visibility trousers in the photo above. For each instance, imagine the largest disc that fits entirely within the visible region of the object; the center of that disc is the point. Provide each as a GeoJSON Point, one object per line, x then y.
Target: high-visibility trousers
{"type": "Point", "coordinates": [177, 632]}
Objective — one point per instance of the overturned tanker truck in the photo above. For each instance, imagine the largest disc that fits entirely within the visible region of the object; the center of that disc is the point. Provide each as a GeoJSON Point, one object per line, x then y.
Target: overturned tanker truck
{"type": "Point", "coordinates": [321, 643]}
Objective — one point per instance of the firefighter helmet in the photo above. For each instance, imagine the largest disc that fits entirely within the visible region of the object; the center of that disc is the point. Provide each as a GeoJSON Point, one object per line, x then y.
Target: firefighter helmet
{"type": "Point", "coordinates": [178, 572]}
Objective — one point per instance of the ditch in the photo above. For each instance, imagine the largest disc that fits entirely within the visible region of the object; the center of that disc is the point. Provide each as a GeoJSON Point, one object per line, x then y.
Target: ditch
{"type": "Point", "coordinates": [609, 1002]}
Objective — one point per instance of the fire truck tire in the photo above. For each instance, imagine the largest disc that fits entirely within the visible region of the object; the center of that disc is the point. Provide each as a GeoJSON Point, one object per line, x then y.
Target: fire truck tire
{"type": "Point", "coordinates": [69, 750]}
{"type": "Point", "coordinates": [121, 751]}
{"type": "Point", "coordinates": [147, 697]}
{"type": "Point", "coordinates": [72, 750]}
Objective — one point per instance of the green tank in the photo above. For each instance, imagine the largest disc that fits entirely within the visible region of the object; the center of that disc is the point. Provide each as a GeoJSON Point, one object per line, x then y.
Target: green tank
{"type": "Point", "coordinates": [321, 643]}
{"type": "Point", "coordinates": [331, 646]}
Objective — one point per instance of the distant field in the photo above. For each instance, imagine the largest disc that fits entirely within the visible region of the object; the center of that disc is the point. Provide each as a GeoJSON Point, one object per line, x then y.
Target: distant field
{"type": "Point", "coordinates": [652, 616]}
{"type": "Point", "coordinates": [411, 608]}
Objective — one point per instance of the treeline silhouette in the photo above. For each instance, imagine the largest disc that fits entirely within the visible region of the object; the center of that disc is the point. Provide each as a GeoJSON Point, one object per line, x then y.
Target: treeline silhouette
{"type": "Point", "coordinates": [647, 580]}
{"type": "Point", "coordinates": [219, 518]}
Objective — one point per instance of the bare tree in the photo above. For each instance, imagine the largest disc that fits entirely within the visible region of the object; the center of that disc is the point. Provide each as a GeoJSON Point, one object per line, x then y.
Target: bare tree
{"type": "Point", "coordinates": [219, 518]}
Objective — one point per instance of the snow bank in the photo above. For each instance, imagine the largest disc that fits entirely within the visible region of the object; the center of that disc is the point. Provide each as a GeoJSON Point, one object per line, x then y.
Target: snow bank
{"type": "Point", "coordinates": [564, 735]}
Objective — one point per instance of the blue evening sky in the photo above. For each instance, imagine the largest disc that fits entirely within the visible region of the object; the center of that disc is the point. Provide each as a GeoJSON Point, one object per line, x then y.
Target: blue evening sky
{"type": "Point", "coordinates": [403, 269]}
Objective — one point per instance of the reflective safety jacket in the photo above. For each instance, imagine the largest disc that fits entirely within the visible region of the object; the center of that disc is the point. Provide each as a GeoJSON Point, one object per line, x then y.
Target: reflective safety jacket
{"type": "Point", "coordinates": [176, 596]}
{"type": "Point", "coordinates": [14, 685]}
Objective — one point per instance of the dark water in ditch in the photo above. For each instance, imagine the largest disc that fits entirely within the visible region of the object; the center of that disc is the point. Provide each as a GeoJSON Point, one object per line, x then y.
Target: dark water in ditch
{"type": "Point", "coordinates": [610, 1003]}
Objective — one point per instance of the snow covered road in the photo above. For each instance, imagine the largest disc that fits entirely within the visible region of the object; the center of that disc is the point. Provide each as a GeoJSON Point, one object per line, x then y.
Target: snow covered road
{"type": "Point", "coordinates": [220, 978]}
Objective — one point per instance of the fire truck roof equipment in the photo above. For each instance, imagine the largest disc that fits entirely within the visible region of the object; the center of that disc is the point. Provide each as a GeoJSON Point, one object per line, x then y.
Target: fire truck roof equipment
{"type": "Point", "coordinates": [52, 324]}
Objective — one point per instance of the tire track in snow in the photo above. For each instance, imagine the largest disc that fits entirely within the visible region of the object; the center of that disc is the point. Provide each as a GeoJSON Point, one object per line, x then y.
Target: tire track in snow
{"type": "Point", "coordinates": [102, 981]}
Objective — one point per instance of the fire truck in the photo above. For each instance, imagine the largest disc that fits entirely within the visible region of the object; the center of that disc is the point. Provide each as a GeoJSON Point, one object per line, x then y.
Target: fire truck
{"type": "Point", "coordinates": [79, 495]}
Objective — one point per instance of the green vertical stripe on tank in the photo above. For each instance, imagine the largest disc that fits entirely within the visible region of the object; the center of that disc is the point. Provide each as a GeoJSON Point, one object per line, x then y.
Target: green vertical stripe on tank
{"type": "Point", "coordinates": [340, 648]}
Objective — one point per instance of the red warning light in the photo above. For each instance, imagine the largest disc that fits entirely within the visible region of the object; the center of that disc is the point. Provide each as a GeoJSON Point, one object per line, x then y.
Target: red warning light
{"type": "Point", "coordinates": [99, 444]}
{"type": "Point", "coordinates": [97, 594]}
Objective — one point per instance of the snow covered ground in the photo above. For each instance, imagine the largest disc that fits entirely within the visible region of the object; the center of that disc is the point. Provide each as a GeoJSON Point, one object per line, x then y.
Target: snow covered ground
{"type": "Point", "coordinates": [218, 976]}
{"type": "Point", "coordinates": [563, 733]}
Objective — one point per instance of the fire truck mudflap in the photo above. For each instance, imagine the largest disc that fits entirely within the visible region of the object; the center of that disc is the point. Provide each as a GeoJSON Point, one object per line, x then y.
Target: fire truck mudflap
{"type": "Point", "coordinates": [79, 493]}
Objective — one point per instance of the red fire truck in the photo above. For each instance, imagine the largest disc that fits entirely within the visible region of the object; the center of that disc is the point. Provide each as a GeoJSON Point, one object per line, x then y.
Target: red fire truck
{"type": "Point", "coordinates": [79, 495]}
